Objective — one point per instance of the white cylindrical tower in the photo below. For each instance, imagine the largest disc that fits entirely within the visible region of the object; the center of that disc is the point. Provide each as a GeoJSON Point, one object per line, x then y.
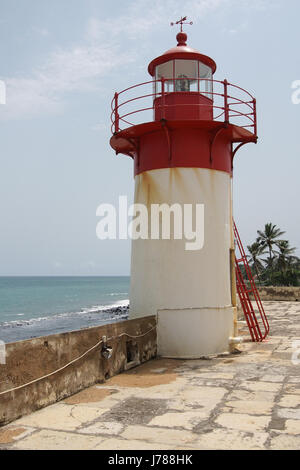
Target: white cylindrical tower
{"type": "Point", "coordinates": [183, 164]}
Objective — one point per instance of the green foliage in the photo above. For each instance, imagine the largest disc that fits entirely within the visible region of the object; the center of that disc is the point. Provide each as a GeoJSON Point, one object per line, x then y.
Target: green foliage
{"type": "Point", "coordinates": [281, 267]}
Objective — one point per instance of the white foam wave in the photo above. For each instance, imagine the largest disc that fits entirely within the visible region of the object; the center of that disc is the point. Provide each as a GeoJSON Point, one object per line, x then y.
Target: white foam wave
{"type": "Point", "coordinates": [84, 311]}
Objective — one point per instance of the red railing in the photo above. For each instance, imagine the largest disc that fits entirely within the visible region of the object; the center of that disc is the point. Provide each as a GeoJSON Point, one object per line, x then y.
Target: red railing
{"type": "Point", "coordinates": [256, 318]}
{"type": "Point", "coordinates": [230, 103]}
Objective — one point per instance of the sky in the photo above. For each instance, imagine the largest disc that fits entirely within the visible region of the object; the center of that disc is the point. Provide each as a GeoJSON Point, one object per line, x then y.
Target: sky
{"type": "Point", "coordinates": [62, 61]}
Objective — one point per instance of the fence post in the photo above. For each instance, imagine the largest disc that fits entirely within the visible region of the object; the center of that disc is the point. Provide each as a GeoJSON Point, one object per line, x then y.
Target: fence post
{"type": "Point", "coordinates": [163, 97]}
{"type": "Point", "coordinates": [226, 109]}
{"type": "Point", "coordinates": [254, 114]}
{"type": "Point", "coordinates": [116, 114]}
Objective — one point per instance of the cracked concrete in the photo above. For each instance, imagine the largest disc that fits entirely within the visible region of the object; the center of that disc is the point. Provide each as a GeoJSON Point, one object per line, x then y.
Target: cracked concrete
{"type": "Point", "coordinates": [242, 401]}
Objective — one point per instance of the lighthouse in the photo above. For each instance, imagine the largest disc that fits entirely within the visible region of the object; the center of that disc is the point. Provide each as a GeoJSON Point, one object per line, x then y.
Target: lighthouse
{"type": "Point", "coordinates": [183, 128]}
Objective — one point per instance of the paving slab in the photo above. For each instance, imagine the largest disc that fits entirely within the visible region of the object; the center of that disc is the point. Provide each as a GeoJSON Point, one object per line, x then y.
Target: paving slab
{"type": "Point", "coordinates": [232, 440]}
{"type": "Point", "coordinates": [249, 400]}
{"type": "Point", "coordinates": [61, 417]}
{"type": "Point", "coordinates": [243, 422]}
{"type": "Point", "coordinates": [48, 440]}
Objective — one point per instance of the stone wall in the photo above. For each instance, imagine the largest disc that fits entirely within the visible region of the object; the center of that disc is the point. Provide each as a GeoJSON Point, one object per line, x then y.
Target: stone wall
{"type": "Point", "coordinates": [34, 358]}
{"type": "Point", "coordinates": [291, 294]}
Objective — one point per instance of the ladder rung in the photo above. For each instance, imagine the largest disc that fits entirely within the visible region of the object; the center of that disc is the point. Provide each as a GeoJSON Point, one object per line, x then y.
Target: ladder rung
{"type": "Point", "coordinates": [244, 291]}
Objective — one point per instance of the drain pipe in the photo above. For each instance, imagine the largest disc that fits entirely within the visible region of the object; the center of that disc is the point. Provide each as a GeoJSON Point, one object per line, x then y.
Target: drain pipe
{"type": "Point", "coordinates": [235, 339]}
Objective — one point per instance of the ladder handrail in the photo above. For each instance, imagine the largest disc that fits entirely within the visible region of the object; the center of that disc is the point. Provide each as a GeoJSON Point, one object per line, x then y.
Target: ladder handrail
{"type": "Point", "coordinates": [243, 292]}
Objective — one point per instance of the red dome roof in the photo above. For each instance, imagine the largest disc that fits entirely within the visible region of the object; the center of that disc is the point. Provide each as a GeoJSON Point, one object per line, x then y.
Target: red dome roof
{"type": "Point", "coordinates": [181, 51]}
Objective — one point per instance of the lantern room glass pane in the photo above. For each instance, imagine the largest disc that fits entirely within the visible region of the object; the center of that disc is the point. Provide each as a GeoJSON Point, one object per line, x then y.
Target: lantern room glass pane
{"type": "Point", "coordinates": [186, 75]}
{"type": "Point", "coordinates": [205, 73]}
{"type": "Point", "coordinates": [165, 71]}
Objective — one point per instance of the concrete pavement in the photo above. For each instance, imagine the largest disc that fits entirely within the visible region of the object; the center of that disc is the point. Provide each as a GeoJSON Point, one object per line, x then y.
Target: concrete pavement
{"type": "Point", "coordinates": [249, 400]}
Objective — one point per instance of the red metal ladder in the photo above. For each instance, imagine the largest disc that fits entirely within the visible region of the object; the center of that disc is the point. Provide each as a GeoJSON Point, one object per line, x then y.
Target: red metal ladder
{"type": "Point", "coordinates": [257, 321]}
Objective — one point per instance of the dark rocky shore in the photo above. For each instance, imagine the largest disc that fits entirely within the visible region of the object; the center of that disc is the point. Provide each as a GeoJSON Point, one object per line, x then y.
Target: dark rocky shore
{"type": "Point", "coordinates": [21, 330]}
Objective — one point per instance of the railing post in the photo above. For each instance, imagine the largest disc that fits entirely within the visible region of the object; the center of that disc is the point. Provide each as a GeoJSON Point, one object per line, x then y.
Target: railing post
{"type": "Point", "coordinates": [226, 108]}
{"type": "Point", "coordinates": [254, 115]}
{"type": "Point", "coordinates": [116, 114]}
{"type": "Point", "coordinates": [163, 97]}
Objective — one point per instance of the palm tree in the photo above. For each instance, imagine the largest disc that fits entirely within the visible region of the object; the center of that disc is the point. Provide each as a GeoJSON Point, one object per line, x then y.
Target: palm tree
{"type": "Point", "coordinates": [268, 238]}
{"type": "Point", "coordinates": [255, 251]}
{"type": "Point", "coordinates": [293, 262]}
{"type": "Point", "coordinates": [268, 270]}
{"type": "Point", "coordinates": [285, 255]}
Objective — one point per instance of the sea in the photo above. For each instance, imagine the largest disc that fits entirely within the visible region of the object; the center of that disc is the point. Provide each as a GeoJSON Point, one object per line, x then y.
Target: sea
{"type": "Point", "coordinates": [40, 306]}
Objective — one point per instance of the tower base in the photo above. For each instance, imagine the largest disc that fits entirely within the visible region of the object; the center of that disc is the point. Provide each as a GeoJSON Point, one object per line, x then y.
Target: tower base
{"type": "Point", "coordinates": [195, 332]}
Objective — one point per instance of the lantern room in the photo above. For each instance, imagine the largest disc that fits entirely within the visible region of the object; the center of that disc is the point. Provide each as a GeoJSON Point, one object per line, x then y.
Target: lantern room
{"type": "Point", "coordinates": [186, 77]}
{"type": "Point", "coordinates": [182, 94]}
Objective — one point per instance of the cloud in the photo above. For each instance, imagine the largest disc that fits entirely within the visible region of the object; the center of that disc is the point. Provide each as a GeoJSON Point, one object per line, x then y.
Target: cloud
{"type": "Point", "coordinates": [106, 45]}
{"type": "Point", "coordinates": [101, 126]}
{"type": "Point", "coordinates": [41, 31]}
{"type": "Point", "coordinates": [58, 264]}
{"type": "Point", "coordinates": [148, 15]}
{"type": "Point", "coordinates": [77, 69]}
{"type": "Point", "coordinates": [237, 29]}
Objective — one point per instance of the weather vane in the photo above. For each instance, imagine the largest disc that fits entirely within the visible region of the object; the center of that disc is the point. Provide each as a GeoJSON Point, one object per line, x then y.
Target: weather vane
{"type": "Point", "coordinates": [182, 21]}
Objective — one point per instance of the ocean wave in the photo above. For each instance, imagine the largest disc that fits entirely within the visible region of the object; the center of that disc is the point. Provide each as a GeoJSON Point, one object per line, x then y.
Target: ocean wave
{"type": "Point", "coordinates": [117, 310]}
{"type": "Point", "coordinates": [117, 293]}
{"type": "Point", "coordinates": [102, 308]}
